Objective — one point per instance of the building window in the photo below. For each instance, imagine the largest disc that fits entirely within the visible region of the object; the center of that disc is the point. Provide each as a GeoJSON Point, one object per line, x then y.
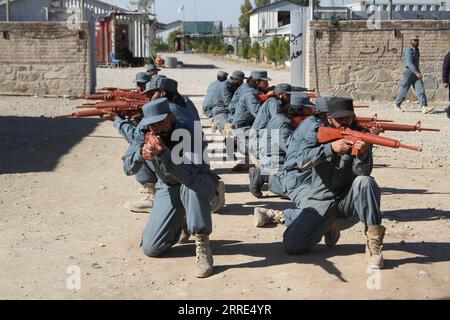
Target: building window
{"type": "Point", "coordinates": [55, 4]}
{"type": "Point", "coordinates": [284, 18]}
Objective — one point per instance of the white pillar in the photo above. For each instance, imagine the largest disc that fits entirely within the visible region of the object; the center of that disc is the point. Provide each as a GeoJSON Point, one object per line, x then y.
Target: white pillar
{"type": "Point", "coordinates": [299, 19]}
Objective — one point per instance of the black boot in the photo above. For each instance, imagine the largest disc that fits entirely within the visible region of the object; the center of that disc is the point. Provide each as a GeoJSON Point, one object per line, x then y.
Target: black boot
{"type": "Point", "coordinates": [256, 182]}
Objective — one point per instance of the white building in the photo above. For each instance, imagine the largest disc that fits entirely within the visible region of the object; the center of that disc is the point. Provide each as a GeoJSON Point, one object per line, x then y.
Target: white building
{"type": "Point", "coordinates": [164, 30]}
{"type": "Point", "coordinates": [398, 5]}
{"type": "Point", "coordinates": [272, 19]}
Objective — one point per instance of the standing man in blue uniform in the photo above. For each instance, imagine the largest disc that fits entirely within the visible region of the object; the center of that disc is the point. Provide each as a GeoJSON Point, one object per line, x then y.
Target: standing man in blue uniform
{"type": "Point", "coordinates": [446, 78]}
{"type": "Point", "coordinates": [412, 76]}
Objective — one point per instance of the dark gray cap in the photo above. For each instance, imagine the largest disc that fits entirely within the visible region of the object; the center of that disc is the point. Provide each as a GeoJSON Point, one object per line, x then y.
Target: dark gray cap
{"type": "Point", "coordinates": [301, 99]}
{"type": "Point", "coordinates": [341, 107]}
{"type": "Point", "coordinates": [161, 83]}
{"type": "Point", "coordinates": [414, 37]}
{"type": "Point", "coordinates": [155, 111]}
{"type": "Point", "coordinates": [152, 67]}
{"type": "Point", "coordinates": [282, 88]}
{"type": "Point", "coordinates": [222, 74]}
{"type": "Point", "coordinates": [142, 77]}
{"type": "Point", "coordinates": [260, 75]}
{"type": "Point", "coordinates": [322, 103]}
{"type": "Point", "coordinates": [238, 75]}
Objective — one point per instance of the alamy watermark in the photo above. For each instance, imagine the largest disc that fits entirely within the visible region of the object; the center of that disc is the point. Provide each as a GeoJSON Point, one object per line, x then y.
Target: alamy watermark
{"type": "Point", "coordinates": [74, 18]}
{"type": "Point", "coordinates": [73, 281]}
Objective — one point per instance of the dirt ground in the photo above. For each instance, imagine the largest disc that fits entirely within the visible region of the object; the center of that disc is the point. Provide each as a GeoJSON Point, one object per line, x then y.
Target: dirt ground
{"type": "Point", "coordinates": [61, 214]}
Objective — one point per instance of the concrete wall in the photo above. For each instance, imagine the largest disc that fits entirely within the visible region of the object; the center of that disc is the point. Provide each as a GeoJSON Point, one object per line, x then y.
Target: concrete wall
{"type": "Point", "coordinates": [366, 64]}
{"type": "Point", "coordinates": [45, 58]}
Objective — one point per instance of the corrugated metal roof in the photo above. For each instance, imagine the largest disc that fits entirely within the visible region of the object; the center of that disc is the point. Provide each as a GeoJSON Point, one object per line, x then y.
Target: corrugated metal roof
{"type": "Point", "coordinates": [203, 27]}
{"type": "Point", "coordinates": [278, 6]}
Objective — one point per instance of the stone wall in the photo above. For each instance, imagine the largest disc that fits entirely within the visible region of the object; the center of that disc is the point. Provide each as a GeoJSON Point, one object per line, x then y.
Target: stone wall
{"type": "Point", "coordinates": [366, 64]}
{"type": "Point", "coordinates": [41, 58]}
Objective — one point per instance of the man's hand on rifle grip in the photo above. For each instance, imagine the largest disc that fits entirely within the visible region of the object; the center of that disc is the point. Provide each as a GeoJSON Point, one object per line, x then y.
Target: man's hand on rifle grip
{"type": "Point", "coordinates": [342, 146]}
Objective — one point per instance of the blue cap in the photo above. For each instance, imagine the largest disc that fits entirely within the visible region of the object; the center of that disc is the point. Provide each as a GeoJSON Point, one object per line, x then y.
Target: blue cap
{"type": "Point", "coordinates": [260, 75]}
{"type": "Point", "coordinates": [238, 75]}
{"type": "Point", "coordinates": [322, 103]}
{"type": "Point", "coordinates": [155, 111]}
{"type": "Point", "coordinates": [282, 88]}
{"type": "Point", "coordinates": [142, 77]}
{"type": "Point", "coordinates": [341, 107]}
{"type": "Point", "coordinates": [301, 99]}
{"type": "Point", "coordinates": [161, 83]}
{"type": "Point", "coordinates": [152, 67]}
{"type": "Point", "coordinates": [222, 74]}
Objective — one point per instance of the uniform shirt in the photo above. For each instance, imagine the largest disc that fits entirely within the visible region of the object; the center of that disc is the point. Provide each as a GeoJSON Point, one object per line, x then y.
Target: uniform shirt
{"type": "Point", "coordinates": [331, 174]}
{"type": "Point", "coordinates": [180, 163]}
{"type": "Point", "coordinates": [224, 95]}
{"type": "Point", "coordinates": [268, 110]}
{"type": "Point", "coordinates": [235, 100]}
{"type": "Point", "coordinates": [411, 58]}
{"type": "Point", "coordinates": [186, 112]}
{"type": "Point", "coordinates": [247, 108]}
{"type": "Point", "coordinates": [209, 101]}
{"type": "Point", "coordinates": [274, 146]}
{"type": "Point", "coordinates": [126, 128]}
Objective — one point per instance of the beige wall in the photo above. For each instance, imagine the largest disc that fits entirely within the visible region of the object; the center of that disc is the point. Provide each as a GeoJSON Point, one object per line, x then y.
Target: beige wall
{"type": "Point", "coordinates": [44, 58]}
{"type": "Point", "coordinates": [366, 64]}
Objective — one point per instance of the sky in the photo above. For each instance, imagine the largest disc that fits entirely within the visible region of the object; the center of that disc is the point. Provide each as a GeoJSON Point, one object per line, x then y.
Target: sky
{"type": "Point", "coordinates": [227, 11]}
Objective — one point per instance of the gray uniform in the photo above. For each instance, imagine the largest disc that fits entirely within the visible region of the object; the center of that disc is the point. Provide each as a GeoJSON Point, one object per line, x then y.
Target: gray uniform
{"type": "Point", "coordinates": [273, 150]}
{"type": "Point", "coordinates": [339, 187]}
{"type": "Point", "coordinates": [145, 174]}
{"type": "Point", "coordinates": [246, 112]}
{"type": "Point", "coordinates": [235, 100]}
{"type": "Point", "coordinates": [411, 58]}
{"type": "Point", "coordinates": [224, 95]}
{"type": "Point", "coordinates": [293, 179]}
{"type": "Point", "coordinates": [182, 189]}
{"type": "Point", "coordinates": [209, 101]}
{"type": "Point", "coordinates": [267, 110]}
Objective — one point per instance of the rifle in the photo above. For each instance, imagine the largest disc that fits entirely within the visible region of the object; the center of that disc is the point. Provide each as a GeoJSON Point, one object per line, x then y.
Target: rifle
{"type": "Point", "coordinates": [115, 95]}
{"type": "Point", "coordinates": [111, 89]}
{"type": "Point", "coordinates": [374, 118]}
{"type": "Point", "coordinates": [265, 96]}
{"type": "Point", "coordinates": [326, 135]}
{"type": "Point", "coordinates": [126, 112]}
{"type": "Point", "coordinates": [395, 126]}
{"type": "Point", "coordinates": [114, 104]}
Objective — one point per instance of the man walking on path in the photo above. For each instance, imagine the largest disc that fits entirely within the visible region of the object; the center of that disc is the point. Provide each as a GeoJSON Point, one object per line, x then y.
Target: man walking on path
{"type": "Point", "coordinates": [412, 76]}
{"type": "Point", "coordinates": [446, 78]}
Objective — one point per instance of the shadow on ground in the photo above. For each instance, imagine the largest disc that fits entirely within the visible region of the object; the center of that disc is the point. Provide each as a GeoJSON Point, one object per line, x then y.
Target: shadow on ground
{"type": "Point", "coordinates": [29, 144]}
{"type": "Point", "coordinates": [273, 254]}
{"type": "Point", "coordinates": [386, 191]}
{"type": "Point", "coordinates": [425, 214]}
{"type": "Point", "coordinates": [198, 66]}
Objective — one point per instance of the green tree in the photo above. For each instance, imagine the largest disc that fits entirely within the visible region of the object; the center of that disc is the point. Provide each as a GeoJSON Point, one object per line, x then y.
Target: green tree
{"type": "Point", "coordinates": [261, 3]}
{"type": "Point", "coordinates": [244, 50]}
{"type": "Point", "coordinates": [281, 51]}
{"type": "Point", "coordinates": [272, 49]}
{"type": "Point", "coordinates": [143, 5]}
{"type": "Point", "coordinates": [255, 51]}
{"type": "Point", "coordinates": [306, 2]}
{"type": "Point", "coordinates": [171, 39]}
{"type": "Point", "coordinates": [244, 19]}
